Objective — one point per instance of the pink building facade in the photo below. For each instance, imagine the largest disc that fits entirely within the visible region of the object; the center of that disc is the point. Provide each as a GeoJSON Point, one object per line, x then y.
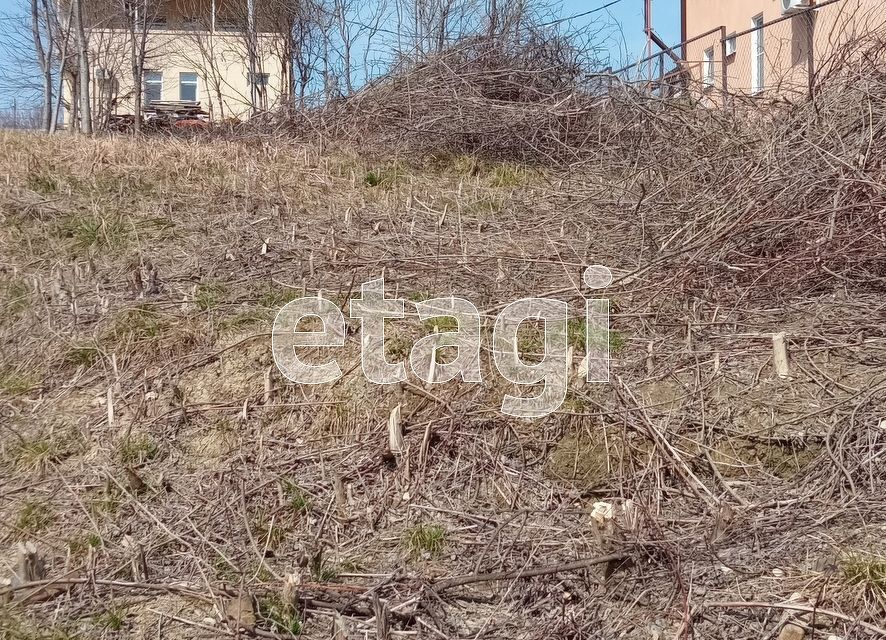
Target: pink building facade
{"type": "Point", "coordinates": [771, 47]}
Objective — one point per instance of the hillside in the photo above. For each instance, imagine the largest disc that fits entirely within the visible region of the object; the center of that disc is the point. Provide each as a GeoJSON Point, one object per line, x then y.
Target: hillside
{"type": "Point", "coordinates": [173, 484]}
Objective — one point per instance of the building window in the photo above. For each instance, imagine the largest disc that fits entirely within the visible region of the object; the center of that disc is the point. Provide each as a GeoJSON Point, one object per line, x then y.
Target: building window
{"type": "Point", "coordinates": [731, 45]}
{"type": "Point", "coordinates": [226, 23]}
{"type": "Point", "coordinates": [156, 22]}
{"type": "Point", "coordinates": [187, 86]}
{"type": "Point", "coordinates": [153, 87]}
{"type": "Point", "coordinates": [259, 82]}
{"type": "Point", "coordinates": [190, 23]}
{"type": "Point", "coordinates": [758, 54]}
{"type": "Point", "coordinates": [708, 67]}
{"type": "Point", "coordinates": [259, 79]}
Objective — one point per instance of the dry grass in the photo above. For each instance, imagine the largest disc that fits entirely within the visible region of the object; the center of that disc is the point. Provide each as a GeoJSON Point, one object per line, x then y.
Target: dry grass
{"type": "Point", "coordinates": [153, 270]}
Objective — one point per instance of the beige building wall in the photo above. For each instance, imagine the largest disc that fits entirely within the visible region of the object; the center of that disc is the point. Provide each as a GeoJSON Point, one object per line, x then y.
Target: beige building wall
{"type": "Point", "coordinates": [791, 49]}
{"type": "Point", "coordinates": [218, 57]}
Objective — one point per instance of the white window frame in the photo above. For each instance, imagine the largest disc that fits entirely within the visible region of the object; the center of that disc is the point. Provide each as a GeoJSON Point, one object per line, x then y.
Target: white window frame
{"type": "Point", "coordinates": [195, 83]}
{"type": "Point", "coordinates": [731, 45]}
{"type": "Point", "coordinates": [758, 55]}
{"type": "Point", "coordinates": [146, 82]}
{"type": "Point", "coordinates": [708, 68]}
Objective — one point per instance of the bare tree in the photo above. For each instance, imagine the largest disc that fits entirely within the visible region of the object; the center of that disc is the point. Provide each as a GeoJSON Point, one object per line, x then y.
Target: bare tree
{"type": "Point", "coordinates": [83, 70]}
{"type": "Point", "coordinates": [343, 14]}
{"type": "Point", "coordinates": [63, 30]}
{"type": "Point", "coordinates": [200, 49]}
{"type": "Point", "coordinates": [28, 51]}
{"type": "Point", "coordinates": [136, 20]}
{"type": "Point", "coordinates": [41, 29]}
{"type": "Point", "coordinates": [306, 35]}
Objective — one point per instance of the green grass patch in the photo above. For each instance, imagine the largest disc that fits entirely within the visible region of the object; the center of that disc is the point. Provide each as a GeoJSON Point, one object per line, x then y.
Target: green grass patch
{"type": "Point", "coordinates": [274, 298]}
{"type": "Point", "coordinates": [42, 182]}
{"type": "Point", "coordinates": [112, 619]}
{"type": "Point", "coordinates": [508, 175]}
{"type": "Point", "coordinates": [397, 348]}
{"type": "Point", "coordinates": [530, 341]}
{"type": "Point", "coordinates": [325, 573]}
{"type": "Point", "coordinates": [280, 617]}
{"type": "Point", "coordinates": [82, 355]}
{"type": "Point", "coordinates": [242, 319]}
{"type": "Point", "coordinates": [223, 569]}
{"type": "Point", "coordinates": [296, 497]}
{"type": "Point", "coordinates": [465, 166]}
{"type": "Point", "coordinates": [209, 295]}
{"type": "Point", "coordinates": [138, 449]}
{"type": "Point", "coordinates": [384, 177]}
{"type": "Point", "coordinates": [865, 570]}
{"type": "Point", "coordinates": [442, 323]}
{"type": "Point", "coordinates": [14, 383]}
{"type": "Point", "coordinates": [34, 516]}
{"type": "Point", "coordinates": [96, 232]}
{"type": "Point", "coordinates": [424, 540]}
{"type": "Point", "coordinates": [107, 503]}
{"type": "Point", "coordinates": [79, 546]}
{"type": "Point", "coordinates": [577, 331]}
{"type": "Point", "coordinates": [140, 323]}
{"type": "Point", "coordinates": [36, 453]}
{"type": "Point", "coordinates": [617, 342]}
{"type": "Point", "coordinates": [420, 296]}
{"type": "Point", "coordinates": [266, 530]}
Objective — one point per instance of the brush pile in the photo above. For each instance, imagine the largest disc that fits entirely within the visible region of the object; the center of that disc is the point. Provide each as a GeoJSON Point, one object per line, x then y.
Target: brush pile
{"type": "Point", "coordinates": [523, 101]}
{"type": "Point", "coordinates": [773, 202]}
{"type": "Point", "coordinates": [783, 195]}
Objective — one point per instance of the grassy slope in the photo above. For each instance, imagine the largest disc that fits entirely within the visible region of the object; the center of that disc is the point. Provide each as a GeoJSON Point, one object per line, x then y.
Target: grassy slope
{"type": "Point", "coordinates": [149, 273]}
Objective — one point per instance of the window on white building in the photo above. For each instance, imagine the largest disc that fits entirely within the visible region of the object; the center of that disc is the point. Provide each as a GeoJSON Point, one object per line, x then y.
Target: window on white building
{"type": "Point", "coordinates": [259, 79]}
{"type": "Point", "coordinates": [153, 87]}
{"type": "Point", "coordinates": [157, 22]}
{"type": "Point", "coordinates": [758, 55]}
{"type": "Point", "coordinates": [259, 82]}
{"type": "Point", "coordinates": [187, 86]}
{"type": "Point", "coordinates": [227, 23]}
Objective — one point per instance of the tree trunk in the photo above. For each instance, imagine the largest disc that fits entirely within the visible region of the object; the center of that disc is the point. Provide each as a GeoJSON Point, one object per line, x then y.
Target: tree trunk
{"type": "Point", "coordinates": [63, 66]}
{"type": "Point", "coordinates": [250, 46]}
{"type": "Point", "coordinates": [75, 103]}
{"type": "Point", "coordinates": [136, 86]}
{"type": "Point", "coordinates": [43, 62]}
{"type": "Point", "coordinates": [47, 101]}
{"type": "Point", "coordinates": [53, 122]}
{"type": "Point", "coordinates": [493, 18]}
{"type": "Point", "coordinates": [83, 56]}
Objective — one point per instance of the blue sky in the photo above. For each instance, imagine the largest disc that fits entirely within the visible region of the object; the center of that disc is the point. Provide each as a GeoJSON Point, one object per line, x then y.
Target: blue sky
{"type": "Point", "coordinates": [626, 41]}
{"type": "Point", "coordinates": [621, 24]}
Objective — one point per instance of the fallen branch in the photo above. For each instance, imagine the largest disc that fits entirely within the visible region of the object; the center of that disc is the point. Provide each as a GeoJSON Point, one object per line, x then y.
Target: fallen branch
{"type": "Point", "coordinates": [519, 574]}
